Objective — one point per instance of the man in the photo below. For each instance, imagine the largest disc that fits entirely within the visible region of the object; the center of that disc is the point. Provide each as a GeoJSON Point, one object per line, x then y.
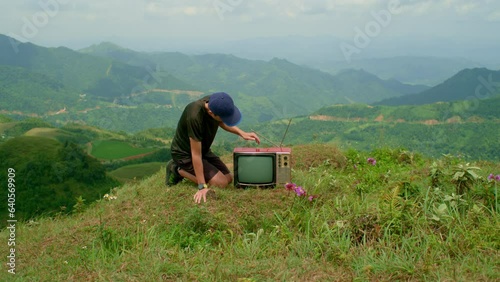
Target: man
{"type": "Point", "coordinates": [196, 130]}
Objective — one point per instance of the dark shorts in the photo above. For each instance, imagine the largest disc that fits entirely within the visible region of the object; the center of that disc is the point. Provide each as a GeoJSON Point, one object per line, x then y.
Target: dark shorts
{"type": "Point", "coordinates": [212, 164]}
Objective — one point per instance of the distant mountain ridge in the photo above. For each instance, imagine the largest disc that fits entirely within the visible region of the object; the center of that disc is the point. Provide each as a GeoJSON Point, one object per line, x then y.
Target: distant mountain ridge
{"type": "Point", "coordinates": [116, 88]}
{"type": "Point", "coordinates": [101, 77]}
{"type": "Point", "coordinates": [478, 83]}
{"type": "Point", "coordinates": [406, 69]}
{"type": "Point", "coordinates": [278, 85]}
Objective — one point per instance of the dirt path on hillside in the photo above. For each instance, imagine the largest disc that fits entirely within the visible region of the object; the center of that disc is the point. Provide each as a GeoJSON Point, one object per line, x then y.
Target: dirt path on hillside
{"type": "Point", "coordinates": [380, 118]}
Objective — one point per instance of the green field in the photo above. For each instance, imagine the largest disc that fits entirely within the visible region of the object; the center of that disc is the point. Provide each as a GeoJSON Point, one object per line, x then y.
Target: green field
{"type": "Point", "coordinates": [112, 150]}
{"type": "Point", "coordinates": [136, 171]}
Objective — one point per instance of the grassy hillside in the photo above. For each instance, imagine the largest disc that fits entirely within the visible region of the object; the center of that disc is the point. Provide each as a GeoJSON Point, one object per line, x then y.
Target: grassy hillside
{"type": "Point", "coordinates": [137, 171]}
{"type": "Point", "coordinates": [399, 219]}
{"type": "Point", "coordinates": [114, 149]}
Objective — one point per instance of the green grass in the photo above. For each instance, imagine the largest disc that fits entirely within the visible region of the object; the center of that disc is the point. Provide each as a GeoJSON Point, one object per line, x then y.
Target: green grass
{"type": "Point", "coordinates": [112, 150]}
{"type": "Point", "coordinates": [136, 171]}
{"type": "Point", "coordinates": [6, 125]}
{"type": "Point", "coordinates": [399, 220]}
{"type": "Point", "coordinates": [52, 133]}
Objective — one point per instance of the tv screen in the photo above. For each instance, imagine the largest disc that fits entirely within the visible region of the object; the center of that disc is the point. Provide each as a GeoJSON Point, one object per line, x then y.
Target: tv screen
{"type": "Point", "coordinates": [255, 169]}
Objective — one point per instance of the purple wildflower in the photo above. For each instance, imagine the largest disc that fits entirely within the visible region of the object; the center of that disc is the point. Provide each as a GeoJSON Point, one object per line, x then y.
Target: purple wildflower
{"type": "Point", "coordinates": [290, 186]}
{"type": "Point", "coordinates": [497, 178]}
{"type": "Point", "coordinates": [371, 161]}
{"type": "Point", "coordinates": [312, 197]}
{"type": "Point", "coordinates": [300, 191]}
{"type": "Point", "coordinates": [491, 176]}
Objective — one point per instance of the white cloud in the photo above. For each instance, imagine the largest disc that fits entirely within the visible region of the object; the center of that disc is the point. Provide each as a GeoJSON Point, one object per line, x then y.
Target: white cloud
{"type": "Point", "coordinates": [465, 8]}
{"type": "Point", "coordinates": [494, 16]}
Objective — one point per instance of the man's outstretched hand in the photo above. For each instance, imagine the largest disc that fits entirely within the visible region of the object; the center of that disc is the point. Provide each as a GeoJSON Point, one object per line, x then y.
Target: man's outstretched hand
{"type": "Point", "coordinates": [201, 194]}
{"type": "Point", "coordinates": [251, 136]}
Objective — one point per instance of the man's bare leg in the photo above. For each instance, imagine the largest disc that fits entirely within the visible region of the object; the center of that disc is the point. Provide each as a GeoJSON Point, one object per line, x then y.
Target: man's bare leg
{"type": "Point", "coordinates": [219, 180]}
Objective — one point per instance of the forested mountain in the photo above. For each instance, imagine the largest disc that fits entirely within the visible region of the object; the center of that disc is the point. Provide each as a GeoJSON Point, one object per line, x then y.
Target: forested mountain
{"type": "Point", "coordinates": [85, 74]}
{"type": "Point", "coordinates": [120, 89]}
{"type": "Point", "coordinates": [407, 69]}
{"type": "Point", "coordinates": [461, 127]}
{"type": "Point", "coordinates": [348, 82]}
{"type": "Point", "coordinates": [478, 84]}
{"type": "Point", "coordinates": [31, 92]}
{"type": "Point", "coordinates": [276, 87]}
{"type": "Point", "coordinates": [61, 85]}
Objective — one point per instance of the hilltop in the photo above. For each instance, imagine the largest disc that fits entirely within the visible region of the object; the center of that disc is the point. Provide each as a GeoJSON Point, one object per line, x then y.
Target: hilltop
{"type": "Point", "coordinates": [397, 219]}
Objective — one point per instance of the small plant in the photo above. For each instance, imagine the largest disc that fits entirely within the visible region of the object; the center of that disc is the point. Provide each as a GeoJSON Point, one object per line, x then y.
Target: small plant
{"type": "Point", "coordinates": [436, 174]}
{"type": "Point", "coordinates": [493, 180]}
{"type": "Point", "coordinates": [299, 191]}
{"type": "Point", "coordinates": [80, 205]}
{"type": "Point", "coordinates": [464, 176]}
{"type": "Point", "coordinates": [108, 197]}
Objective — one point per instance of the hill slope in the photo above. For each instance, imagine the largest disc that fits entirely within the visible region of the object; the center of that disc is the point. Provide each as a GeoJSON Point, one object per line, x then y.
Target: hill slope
{"type": "Point", "coordinates": [407, 69]}
{"type": "Point", "coordinates": [476, 84]}
{"type": "Point", "coordinates": [29, 92]}
{"type": "Point", "coordinates": [364, 222]}
{"type": "Point", "coordinates": [61, 85]}
{"type": "Point", "coordinates": [463, 127]}
{"type": "Point", "coordinates": [272, 89]}
{"type": "Point", "coordinates": [101, 77]}
{"type": "Point", "coordinates": [50, 176]}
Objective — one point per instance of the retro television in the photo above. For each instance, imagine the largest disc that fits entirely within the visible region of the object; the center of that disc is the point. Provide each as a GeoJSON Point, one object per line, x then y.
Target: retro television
{"type": "Point", "coordinates": [261, 167]}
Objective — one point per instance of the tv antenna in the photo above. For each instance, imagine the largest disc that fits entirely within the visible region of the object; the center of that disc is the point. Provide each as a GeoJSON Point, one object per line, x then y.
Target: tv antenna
{"type": "Point", "coordinates": [282, 139]}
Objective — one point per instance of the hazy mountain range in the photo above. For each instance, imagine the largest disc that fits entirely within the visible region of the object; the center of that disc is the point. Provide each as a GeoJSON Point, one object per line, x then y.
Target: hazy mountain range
{"type": "Point", "coordinates": [121, 89]}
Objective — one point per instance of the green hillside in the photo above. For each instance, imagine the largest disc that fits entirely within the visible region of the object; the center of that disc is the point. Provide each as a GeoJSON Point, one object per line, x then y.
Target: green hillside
{"type": "Point", "coordinates": [468, 84]}
{"type": "Point", "coordinates": [98, 76]}
{"type": "Point", "coordinates": [61, 85]}
{"type": "Point", "coordinates": [372, 89]}
{"type": "Point", "coordinates": [265, 90]}
{"type": "Point", "coordinates": [29, 92]}
{"type": "Point", "coordinates": [407, 69]}
{"type": "Point", "coordinates": [17, 128]}
{"type": "Point", "coordinates": [4, 119]}
{"type": "Point", "coordinates": [137, 171]}
{"type": "Point", "coordinates": [458, 128]}
{"type": "Point", "coordinates": [399, 219]}
{"type": "Point", "coordinates": [50, 176]}
{"type": "Point", "coordinates": [114, 149]}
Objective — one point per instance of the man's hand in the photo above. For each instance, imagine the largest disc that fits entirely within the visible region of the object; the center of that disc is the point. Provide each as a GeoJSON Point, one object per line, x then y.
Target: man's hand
{"type": "Point", "coordinates": [201, 194]}
{"type": "Point", "coordinates": [250, 136]}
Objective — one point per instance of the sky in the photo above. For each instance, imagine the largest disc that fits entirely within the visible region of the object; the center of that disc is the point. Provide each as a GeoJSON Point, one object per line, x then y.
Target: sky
{"type": "Point", "coordinates": [146, 25]}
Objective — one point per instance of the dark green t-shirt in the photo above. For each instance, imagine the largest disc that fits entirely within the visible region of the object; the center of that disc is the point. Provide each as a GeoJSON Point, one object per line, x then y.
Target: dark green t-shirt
{"type": "Point", "coordinates": [195, 122]}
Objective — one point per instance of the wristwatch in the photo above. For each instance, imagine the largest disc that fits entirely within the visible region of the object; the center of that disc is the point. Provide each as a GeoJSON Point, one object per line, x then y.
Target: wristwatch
{"type": "Point", "coordinates": [202, 186]}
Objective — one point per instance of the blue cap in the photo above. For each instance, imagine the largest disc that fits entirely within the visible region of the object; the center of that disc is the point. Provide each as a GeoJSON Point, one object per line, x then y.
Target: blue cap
{"type": "Point", "coordinates": [222, 105]}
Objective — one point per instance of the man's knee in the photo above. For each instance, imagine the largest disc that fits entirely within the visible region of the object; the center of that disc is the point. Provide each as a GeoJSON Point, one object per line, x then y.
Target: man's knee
{"type": "Point", "coordinates": [229, 178]}
{"type": "Point", "coordinates": [220, 180]}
